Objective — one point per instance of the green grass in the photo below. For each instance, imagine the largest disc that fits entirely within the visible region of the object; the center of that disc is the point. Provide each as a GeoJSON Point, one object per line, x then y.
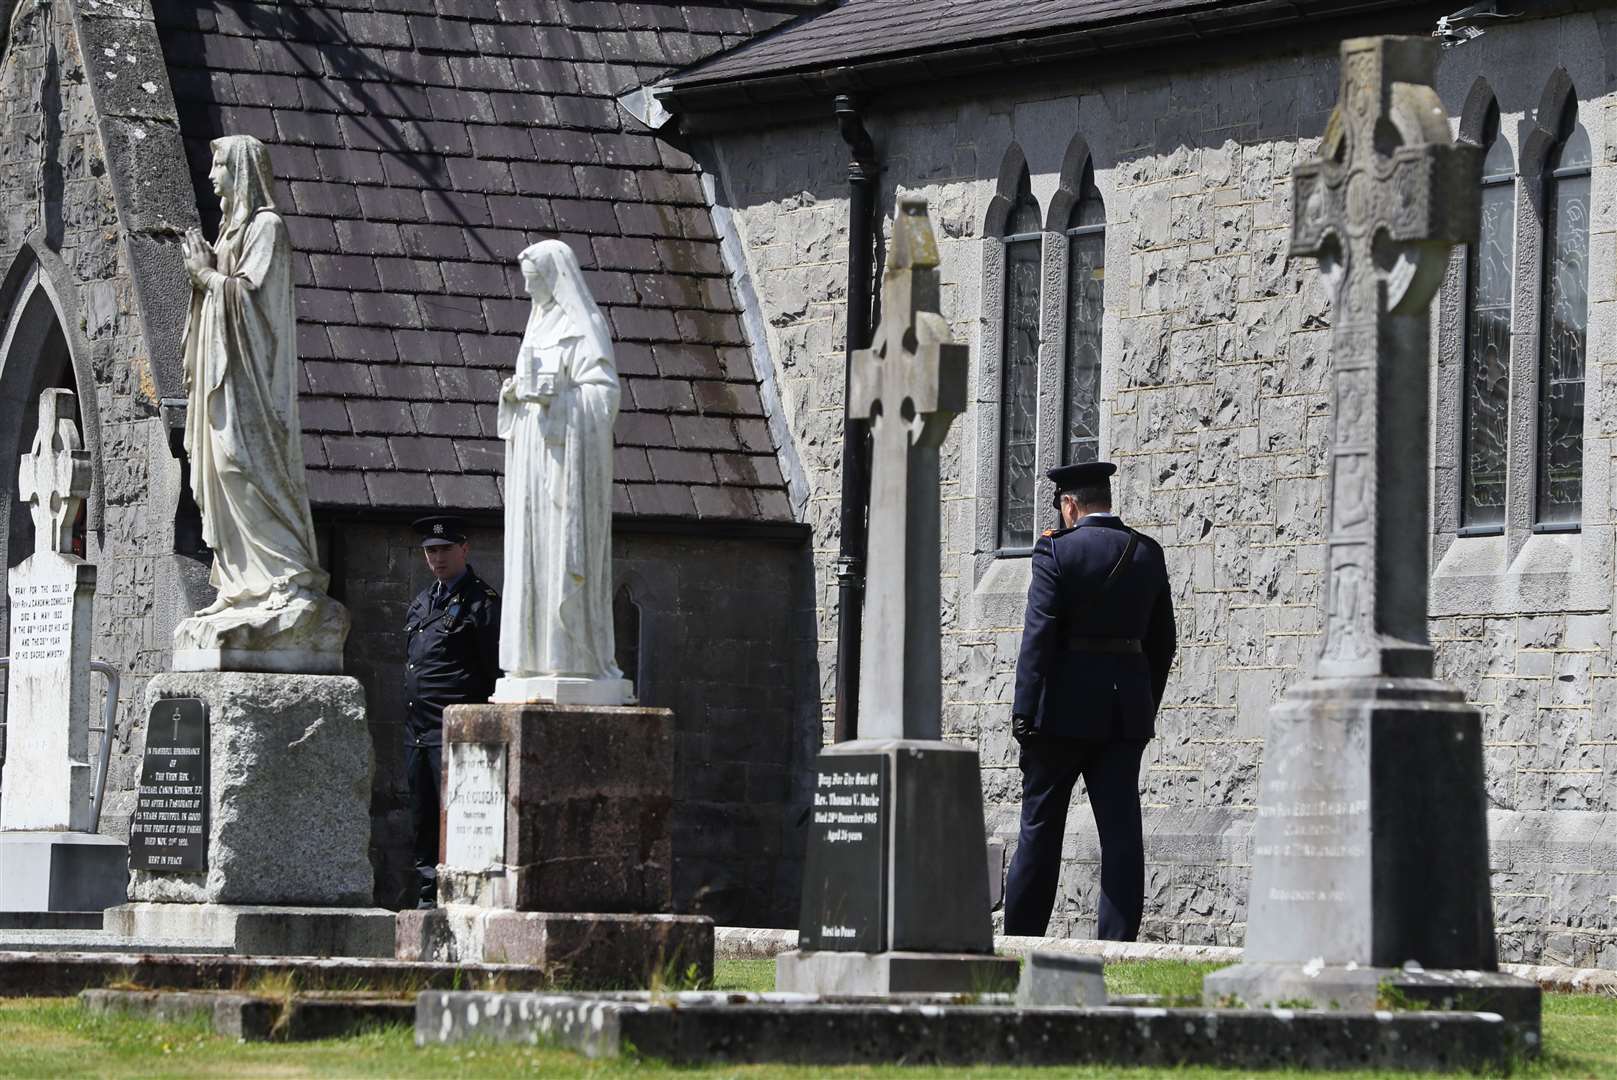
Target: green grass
{"type": "Point", "coordinates": [51, 1038]}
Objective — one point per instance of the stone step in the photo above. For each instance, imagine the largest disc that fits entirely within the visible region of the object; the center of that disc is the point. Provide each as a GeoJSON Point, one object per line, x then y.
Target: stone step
{"type": "Point", "coordinates": [259, 1017]}
{"type": "Point", "coordinates": [50, 920]}
{"type": "Point", "coordinates": [99, 941]}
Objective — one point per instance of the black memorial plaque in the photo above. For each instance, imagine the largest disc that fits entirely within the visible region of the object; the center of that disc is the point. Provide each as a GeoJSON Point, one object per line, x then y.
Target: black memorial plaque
{"type": "Point", "coordinates": [845, 879]}
{"type": "Point", "coordinates": [169, 833]}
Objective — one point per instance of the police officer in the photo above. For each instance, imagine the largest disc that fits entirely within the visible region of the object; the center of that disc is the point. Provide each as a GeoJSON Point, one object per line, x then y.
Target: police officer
{"type": "Point", "coordinates": [451, 658]}
{"type": "Point", "coordinates": [1096, 646]}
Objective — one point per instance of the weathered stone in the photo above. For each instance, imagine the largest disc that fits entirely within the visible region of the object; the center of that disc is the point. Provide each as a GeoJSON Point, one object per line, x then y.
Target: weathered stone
{"type": "Point", "coordinates": [1054, 978]}
{"type": "Point", "coordinates": [697, 1028]}
{"type": "Point", "coordinates": [255, 1017]}
{"type": "Point", "coordinates": [587, 799]}
{"type": "Point", "coordinates": [259, 929]}
{"type": "Point", "coordinates": [284, 750]}
{"type": "Point", "coordinates": [577, 949]}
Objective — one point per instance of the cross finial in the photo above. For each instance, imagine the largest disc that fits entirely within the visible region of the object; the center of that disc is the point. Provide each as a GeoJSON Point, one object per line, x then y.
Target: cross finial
{"type": "Point", "coordinates": [55, 474]}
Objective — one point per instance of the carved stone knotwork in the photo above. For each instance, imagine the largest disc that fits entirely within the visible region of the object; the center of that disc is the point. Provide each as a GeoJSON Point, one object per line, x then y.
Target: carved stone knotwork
{"type": "Point", "coordinates": [1380, 209]}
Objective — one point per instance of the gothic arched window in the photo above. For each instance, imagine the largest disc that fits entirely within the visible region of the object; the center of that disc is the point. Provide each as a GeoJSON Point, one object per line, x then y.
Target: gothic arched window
{"type": "Point", "coordinates": [1019, 392]}
{"type": "Point", "coordinates": [1086, 280]}
{"type": "Point", "coordinates": [1563, 332]}
{"type": "Point", "coordinates": [1484, 456]}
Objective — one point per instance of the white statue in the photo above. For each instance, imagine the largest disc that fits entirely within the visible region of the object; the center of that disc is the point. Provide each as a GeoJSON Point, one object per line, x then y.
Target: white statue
{"type": "Point", "coordinates": [556, 416]}
{"type": "Point", "coordinates": [244, 441]}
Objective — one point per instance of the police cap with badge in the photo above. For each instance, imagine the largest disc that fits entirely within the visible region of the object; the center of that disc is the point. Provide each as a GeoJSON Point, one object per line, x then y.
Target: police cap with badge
{"type": "Point", "coordinates": [1072, 478]}
{"type": "Point", "coordinates": [440, 529]}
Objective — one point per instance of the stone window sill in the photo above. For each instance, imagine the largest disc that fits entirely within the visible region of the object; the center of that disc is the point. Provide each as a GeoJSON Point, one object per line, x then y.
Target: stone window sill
{"type": "Point", "coordinates": [1552, 572]}
{"type": "Point", "coordinates": [1000, 596]}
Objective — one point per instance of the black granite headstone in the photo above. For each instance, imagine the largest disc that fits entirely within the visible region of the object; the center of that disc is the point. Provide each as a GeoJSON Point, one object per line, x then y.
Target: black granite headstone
{"type": "Point", "coordinates": [844, 885]}
{"type": "Point", "coordinates": [169, 832]}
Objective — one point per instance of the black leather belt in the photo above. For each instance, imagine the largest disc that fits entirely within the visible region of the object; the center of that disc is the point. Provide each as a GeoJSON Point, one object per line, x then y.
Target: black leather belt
{"type": "Point", "coordinates": [1114, 645]}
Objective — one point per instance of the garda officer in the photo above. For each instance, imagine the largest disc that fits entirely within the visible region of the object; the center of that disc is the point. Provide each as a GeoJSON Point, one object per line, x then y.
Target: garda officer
{"type": "Point", "coordinates": [1096, 646]}
{"type": "Point", "coordinates": [452, 658]}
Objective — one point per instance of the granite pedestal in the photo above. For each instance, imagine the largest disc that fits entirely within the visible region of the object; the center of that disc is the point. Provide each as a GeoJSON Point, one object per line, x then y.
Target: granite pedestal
{"type": "Point", "coordinates": [1352, 889]}
{"type": "Point", "coordinates": [895, 896]}
{"type": "Point", "coordinates": [556, 846]}
{"type": "Point", "coordinates": [288, 822]}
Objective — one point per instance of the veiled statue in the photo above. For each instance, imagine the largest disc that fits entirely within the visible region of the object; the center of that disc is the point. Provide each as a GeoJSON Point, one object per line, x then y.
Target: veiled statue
{"type": "Point", "coordinates": [243, 439]}
{"type": "Point", "coordinates": [556, 415]}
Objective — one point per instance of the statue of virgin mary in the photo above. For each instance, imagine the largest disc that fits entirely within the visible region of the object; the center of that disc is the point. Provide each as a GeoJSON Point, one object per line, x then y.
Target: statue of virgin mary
{"type": "Point", "coordinates": [243, 440]}
{"type": "Point", "coordinates": [556, 415]}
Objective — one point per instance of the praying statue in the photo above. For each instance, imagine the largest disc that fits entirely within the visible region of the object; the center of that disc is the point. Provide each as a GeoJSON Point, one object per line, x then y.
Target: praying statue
{"type": "Point", "coordinates": [556, 415]}
{"type": "Point", "coordinates": [243, 439]}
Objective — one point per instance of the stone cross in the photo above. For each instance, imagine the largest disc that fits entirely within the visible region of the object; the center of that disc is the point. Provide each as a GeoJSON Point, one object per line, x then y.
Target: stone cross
{"type": "Point", "coordinates": [55, 474]}
{"type": "Point", "coordinates": [47, 779]}
{"type": "Point", "coordinates": [910, 384]}
{"type": "Point", "coordinates": [1389, 196]}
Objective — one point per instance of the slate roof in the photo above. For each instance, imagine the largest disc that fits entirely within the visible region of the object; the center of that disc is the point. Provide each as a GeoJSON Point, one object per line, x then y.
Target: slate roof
{"type": "Point", "coordinates": [867, 31]}
{"type": "Point", "coordinates": [420, 146]}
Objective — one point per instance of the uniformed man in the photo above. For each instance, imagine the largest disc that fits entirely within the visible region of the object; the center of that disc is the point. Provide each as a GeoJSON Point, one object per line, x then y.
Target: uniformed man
{"type": "Point", "coordinates": [451, 658]}
{"type": "Point", "coordinates": [1096, 645]}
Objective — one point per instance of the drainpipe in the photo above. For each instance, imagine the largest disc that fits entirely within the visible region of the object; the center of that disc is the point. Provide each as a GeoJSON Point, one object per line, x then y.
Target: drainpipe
{"type": "Point", "coordinates": [855, 433]}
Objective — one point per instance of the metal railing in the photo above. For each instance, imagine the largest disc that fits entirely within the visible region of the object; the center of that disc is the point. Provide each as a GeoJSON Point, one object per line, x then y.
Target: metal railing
{"type": "Point", "coordinates": [107, 729]}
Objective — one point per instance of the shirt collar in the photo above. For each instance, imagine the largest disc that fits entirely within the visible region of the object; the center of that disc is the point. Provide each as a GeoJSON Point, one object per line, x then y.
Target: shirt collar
{"type": "Point", "coordinates": [1097, 514]}
{"type": "Point", "coordinates": [445, 588]}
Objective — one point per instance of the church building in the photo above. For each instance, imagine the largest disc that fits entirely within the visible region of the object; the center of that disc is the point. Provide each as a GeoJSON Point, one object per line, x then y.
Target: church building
{"type": "Point", "coordinates": [1110, 186]}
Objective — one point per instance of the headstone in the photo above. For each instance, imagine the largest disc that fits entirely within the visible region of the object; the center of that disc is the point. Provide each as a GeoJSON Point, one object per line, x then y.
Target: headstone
{"type": "Point", "coordinates": [908, 909]}
{"type": "Point", "coordinates": [1370, 849]}
{"type": "Point", "coordinates": [558, 846]}
{"type": "Point", "coordinates": [50, 859]}
{"type": "Point", "coordinates": [169, 830]}
{"type": "Point", "coordinates": [48, 782]}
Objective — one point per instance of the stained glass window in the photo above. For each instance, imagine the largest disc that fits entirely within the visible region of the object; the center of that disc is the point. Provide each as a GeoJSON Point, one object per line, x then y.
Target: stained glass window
{"type": "Point", "coordinates": [1018, 419]}
{"type": "Point", "coordinates": [1086, 280]}
{"type": "Point", "coordinates": [1563, 336]}
{"type": "Point", "coordinates": [1486, 400]}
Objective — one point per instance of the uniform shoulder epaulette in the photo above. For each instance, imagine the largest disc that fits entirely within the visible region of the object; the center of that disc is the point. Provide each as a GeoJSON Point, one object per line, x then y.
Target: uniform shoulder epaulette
{"type": "Point", "coordinates": [1053, 533]}
{"type": "Point", "coordinates": [1048, 532]}
{"type": "Point", "coordinates": [488, 590]}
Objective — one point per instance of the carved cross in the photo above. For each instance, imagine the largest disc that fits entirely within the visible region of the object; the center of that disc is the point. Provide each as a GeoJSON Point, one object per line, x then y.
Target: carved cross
{"type": "Point", "coordinates": [55, 474]}
{"type": "Point", "coordinates": [1380, 210]}
{"type": "Point", "coordinates": [910, 384]}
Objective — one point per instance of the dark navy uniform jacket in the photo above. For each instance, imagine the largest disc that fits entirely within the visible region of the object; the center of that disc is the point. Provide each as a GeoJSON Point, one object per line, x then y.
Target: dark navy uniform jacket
{"type": "Point", "coordinates": [453, 655]}
{"type": "Point", "coordinates": [1082, 693]}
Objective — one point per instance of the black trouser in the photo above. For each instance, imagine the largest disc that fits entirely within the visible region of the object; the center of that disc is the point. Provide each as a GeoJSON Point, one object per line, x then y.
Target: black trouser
{"type": "Point", "coordinates": [1111, 773]}
{"type": "Point", "coordinates": [423, 771]}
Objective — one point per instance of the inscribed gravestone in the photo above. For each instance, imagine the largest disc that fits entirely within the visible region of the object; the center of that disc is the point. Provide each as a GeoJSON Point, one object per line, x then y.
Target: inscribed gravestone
{"type": "Point", "coordinates": [48, 777]}
{"type": "Point", "coordinates": [169, 830]}
{"type": "Point", "coordinates": [474, 805]}
{"type": "Point", "coordinates": [895, 892]}
{"type": "Point", "coordinates": [1370, 848]}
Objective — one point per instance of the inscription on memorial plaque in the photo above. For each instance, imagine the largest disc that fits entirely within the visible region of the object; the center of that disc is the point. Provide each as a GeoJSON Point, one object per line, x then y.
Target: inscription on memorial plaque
{"type": "Point", "coordinates": [169, 832]}
{"type": "Point", "coordinates": [474, 806]}
{"type": "Point", "coordinates": [845, 899]}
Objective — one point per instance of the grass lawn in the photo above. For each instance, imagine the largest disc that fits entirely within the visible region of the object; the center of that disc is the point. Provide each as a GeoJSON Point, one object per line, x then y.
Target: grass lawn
{"type": "Point", "coordinates": [53, 1038]}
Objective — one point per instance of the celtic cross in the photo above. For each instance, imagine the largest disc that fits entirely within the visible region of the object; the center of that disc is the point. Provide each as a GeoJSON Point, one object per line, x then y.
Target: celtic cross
{"type": "Point", "coordinates": [910, 384]}
{"type": "Point", "coordinates": [1389, 196]}
{"type": "Point", "coordinates": [54, 477]}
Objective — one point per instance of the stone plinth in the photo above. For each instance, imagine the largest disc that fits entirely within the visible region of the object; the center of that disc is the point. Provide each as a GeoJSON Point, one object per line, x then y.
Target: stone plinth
{"type": "Point", "coordinates": [305, 636]}
{"type": "Point", "coordinates": [260, 930]}
{"type": "Point", "coordinates": [62, 871]}
{"type": "Point", "coordinates": [578, 949]}
{"type": "Point", "coordinates": [290, 789]}
{"type": "Point", "coordinates": [562, 690]}
{"type": "Point", "coordinates": [584, 798]}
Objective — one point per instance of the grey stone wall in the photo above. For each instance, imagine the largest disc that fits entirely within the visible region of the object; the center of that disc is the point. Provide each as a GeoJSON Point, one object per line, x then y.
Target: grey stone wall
{"type": "Point", "coordinates": [72, 248]}
{"type": "Point", "coordinates": [1214, 406]}
{"type": "Point", "coordinates": [726, 642]}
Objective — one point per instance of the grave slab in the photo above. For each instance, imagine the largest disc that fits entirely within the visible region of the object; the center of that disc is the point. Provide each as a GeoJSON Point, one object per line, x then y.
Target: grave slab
{"type": "Point", "coordinates": [699, 1028]}
{"type": "Point", "coordinates": [260, 930]}
{"type": "Point", "coordinates": [580, 949]}
{"type": "Point", "coordinates": [893, 972]}
{"type": "Point", "coordinates": [258, 1017]}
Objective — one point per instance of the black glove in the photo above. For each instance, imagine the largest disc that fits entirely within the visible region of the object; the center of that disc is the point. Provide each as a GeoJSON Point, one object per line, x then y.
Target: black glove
{"type": "Point", "coordinates": [1021, 727]}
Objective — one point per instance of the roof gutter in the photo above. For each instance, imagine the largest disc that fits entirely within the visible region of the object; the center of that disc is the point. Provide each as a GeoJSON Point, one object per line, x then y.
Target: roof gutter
{"type": "Point", "coordinates": [693, 93]}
